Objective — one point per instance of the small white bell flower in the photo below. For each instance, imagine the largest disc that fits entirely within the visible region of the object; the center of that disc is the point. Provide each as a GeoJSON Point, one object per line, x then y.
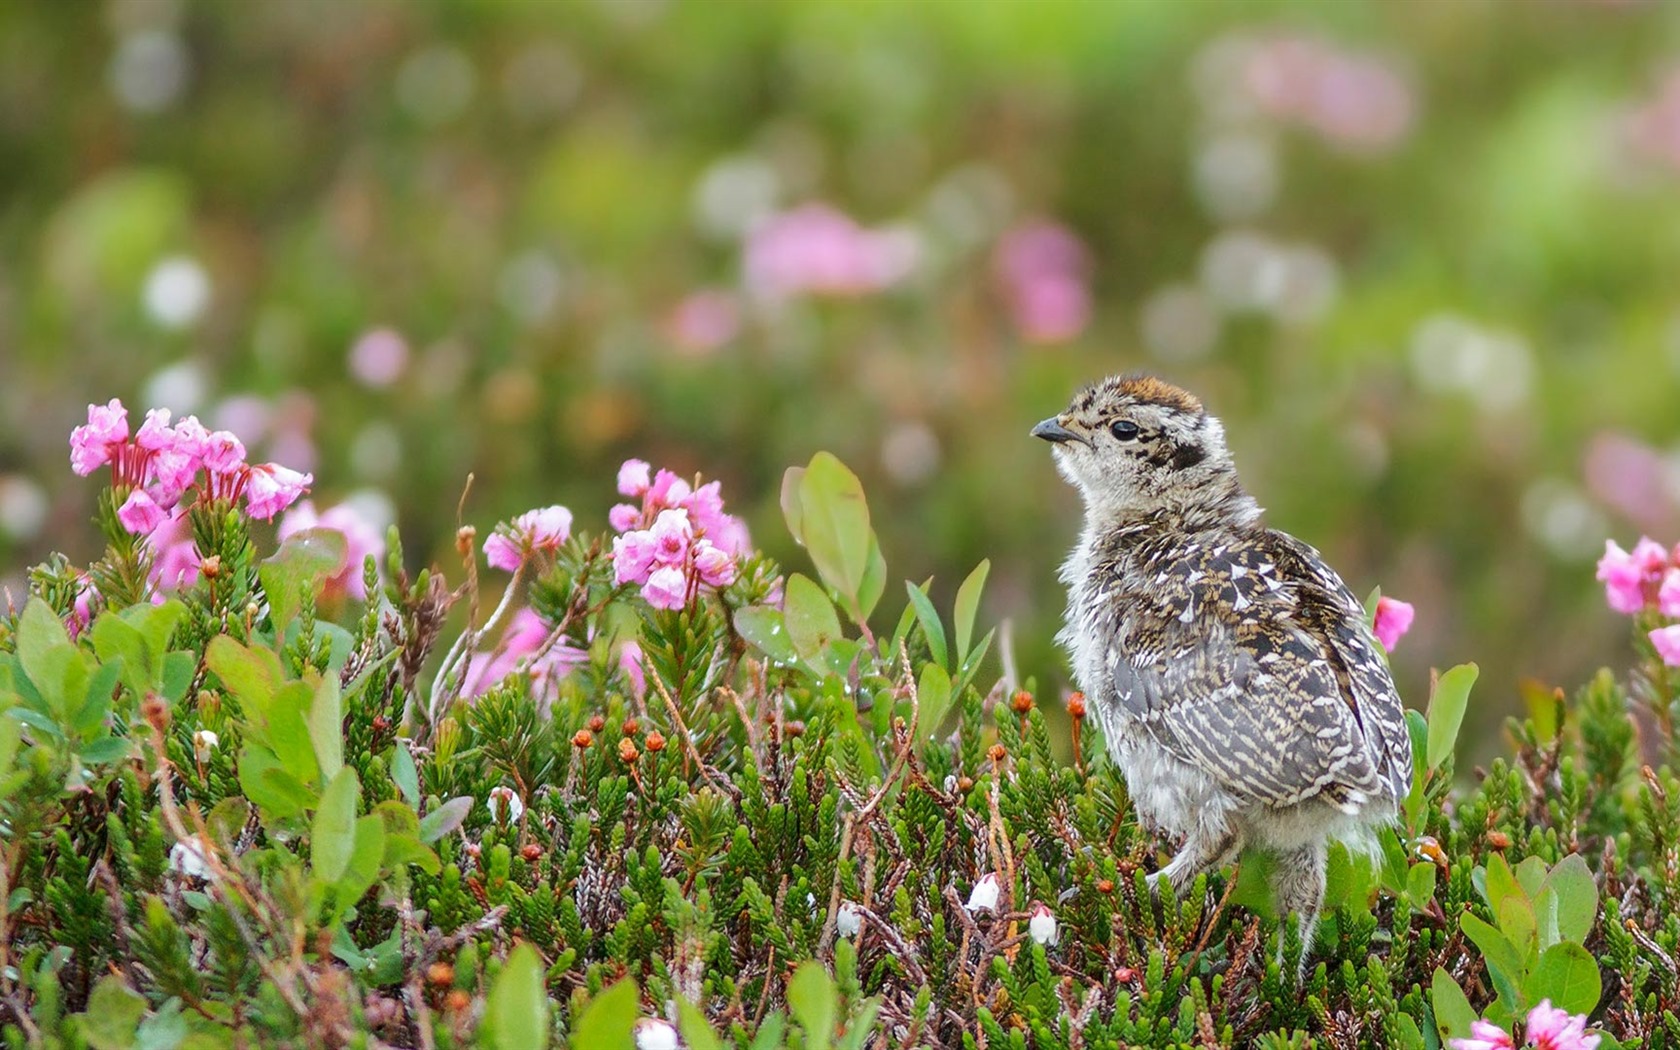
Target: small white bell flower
{"type": "Point", "coordinates": [1042, 925]}
{"type": "Point", "coordinates": [504, 797]}
{"type": "Point", "coordinates": [984, 897]}
{"type": "Point", "coordinates": [189, 857]}
{"type": "Point", "coordinates": [849, 920]}
{"type": "Point", "coordinates": [653, 1034]}
{"type": "Point", "coordinates": [204, 742]}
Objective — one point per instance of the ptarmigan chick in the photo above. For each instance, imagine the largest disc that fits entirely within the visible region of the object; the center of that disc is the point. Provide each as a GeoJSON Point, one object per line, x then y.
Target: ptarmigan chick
{"type": "Point", "coordinates": [1231, 670]}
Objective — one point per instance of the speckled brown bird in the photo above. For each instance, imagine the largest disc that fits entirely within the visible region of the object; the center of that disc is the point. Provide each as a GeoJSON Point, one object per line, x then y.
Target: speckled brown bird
{"type": "Point", "coordinates": [1231, 670]}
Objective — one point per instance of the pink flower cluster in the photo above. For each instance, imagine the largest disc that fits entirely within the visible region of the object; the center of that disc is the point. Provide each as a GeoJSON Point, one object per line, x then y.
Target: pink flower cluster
{"type": "Point", "coordinates": [1393, 619]}
{"type": "Point", "coordinates": [1353, 100]}
{"type": "Point", "coordinates": [161, 462]}
{"type": "Point", "coordinates": [678, 539]}
{"type": "Point", "coordinates": [816, 249]}
{"type": "Point", "coordinates": [543, 529]}
{"type": "Point", "coordinates": [1549, 1028]}
{"type": "Point", "coordinates": [1043, 271]}
{"type": "Point", "coordinates": [1646, 578]}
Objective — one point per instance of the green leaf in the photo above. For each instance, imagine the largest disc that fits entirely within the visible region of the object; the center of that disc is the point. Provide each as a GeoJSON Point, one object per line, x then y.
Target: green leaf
{"type": "Point", "coordinates": [609, 1018]}
{"type": "Point", "coordinates": [403, 773]}
{"type": "Point", "coordinates": [297, 568]}
{"type": "Point", "coordinates": [1570, 883]}
{"type": "Point", "coordinates": [251, 675]}
{"type": "Point", "coordinates": [928, 617]}
{"type": "Point", "coordinates": [1504, 960]}
{"type": "Point", "coordinates": [874, 583]}
{"type": "Point", "coordinates": [50, 659]}
{"type": "Point", "coordinates": [326, 726]}
{"type": "Point", "coordinates": [834, 519]}
{"type": "Point", "coordinates": [1420, 884]}
{"type": "Point", "coordinates": [278, 794]}
{"type": "Point", "coordinates": [366, 858]}
{"type": "Point", "coordinates": [967, 607]}
{"type": "Point", "coordinates": [1567, 975]}
{"type": "Point", "coordinates": [811, 997]}
{"type": "Point", "coordinates": [113, 1015]}
{"type": "Point", "coordinates": [1453, 1013]}
{"type": "Point", "coordinates": [933, 695]}
{"type": "Point", "coordinates": [696, 1033]}
{"type": "Point", "coordinates": [792, 508]}
{"type": "Point", "coordinates": [332, 836]}
{"type": "Point", "coordinates": [444, 819]}
{"type": "Point", "coordinates": [765, 629]}
{"type": "Point", "coordinates": [1446, 711]}
{"type": "Point", "coordinates": [810, 618]}
{"type": "Point", "coordinates": [516, 1010]}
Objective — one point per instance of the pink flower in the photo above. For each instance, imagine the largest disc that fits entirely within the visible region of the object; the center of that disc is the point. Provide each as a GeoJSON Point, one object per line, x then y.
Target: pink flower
{"type": "Point", "coordinates": [633, 556]}
{"type": "Point", "coordinates": [155, 433]}
{"type": "Point", "coordinates": [1484, 1035]}
{"type": "Point", "coordinates": [1667, 641]}
{"type": "Point", "coordinates": [172, 472]}
{"type": "Point", "coordinates": [705, 507]}
{"type": "Point", "coordinates": [668, 490]}
{"type": "Point", "coordinates": [223, 453]}
{"type": "Point", "coordinates": [816, 249]}
{"type": "Point", "coordinates": [360, 540]}
{"type": "Point", "coordinates": [1394, 618]}
{"type": "Point", "coordinates": [191, 438]}
{"type": "Point", "coordinates": [525, 633]}
{"type": "Point", "coordinates": [1668, 594]}
{"type": "Point", "coordinates": [716, 568]}
{"type": "Point", "coordinates": [93, 444]}
{"type": "Point", "coordinates": [666, 588]}
{"type": "Point", "coordinates": [1552, 1029]}
{"type": "Point", "coordinates": [633, 477]}
{"type": "Point", "coordinates": [624, 517]}
{"type": "Point", "coordinates": [141, 514]}
{"type": "Point", "coordinates": [730, 536]}
{"type": "Point", "coordinates": [542, 529]}
{"type": "Point", "coordinates": [671, 533]}
{"type": "Point", "coordinates": [271, 488]}
{"type": "Point", "coordinates": [81, 612]}
{"type": "Point", "coordinates": [1628, 578]}
{"type": "Point", "coordinates": [502, 553]}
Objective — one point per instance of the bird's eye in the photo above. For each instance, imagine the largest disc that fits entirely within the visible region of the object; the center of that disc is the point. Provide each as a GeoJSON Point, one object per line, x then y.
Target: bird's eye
{"type": "Point", "coordinates": [1124, 429]}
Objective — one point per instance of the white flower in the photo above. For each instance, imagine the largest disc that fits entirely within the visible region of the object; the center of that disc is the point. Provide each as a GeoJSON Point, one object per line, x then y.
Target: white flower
{"type": "Point", "coordinates": [985, 894]}
{"type": "Point", "coordinates": [189, 857]}
{"type": "Point", "coordinates": [509, 800]}
{"type": "Point", "coordinates": [654, 1034]}
{"type": "Point", "coordinates": [849, 921]}
{"type": "Point", "coordinates": [204, 742]}
{"type": "Point", "coordinates": [1042, 925]}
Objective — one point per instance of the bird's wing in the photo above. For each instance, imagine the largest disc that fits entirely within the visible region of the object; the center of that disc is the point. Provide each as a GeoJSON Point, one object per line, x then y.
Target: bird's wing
{"type": "Point", "coordinates": [1240, 672]}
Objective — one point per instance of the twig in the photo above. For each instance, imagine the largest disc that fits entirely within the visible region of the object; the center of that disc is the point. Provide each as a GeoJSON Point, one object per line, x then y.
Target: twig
{"type": "Point", "coordinates": [686, 737]}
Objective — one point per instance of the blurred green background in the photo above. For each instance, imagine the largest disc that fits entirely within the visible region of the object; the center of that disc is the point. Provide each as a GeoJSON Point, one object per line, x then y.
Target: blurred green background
{"type": "Point", "coordinates": [1420, 257]}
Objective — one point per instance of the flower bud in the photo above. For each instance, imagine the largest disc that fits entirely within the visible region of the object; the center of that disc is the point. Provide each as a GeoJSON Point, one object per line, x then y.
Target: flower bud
{"type": "Point", "coordinates": [464, 537]}
{"type": "Point", "coordinates": [503, 800]}
{"type": "Point", "coordinates": [457, 1000]}
{"type": "Point", "coordinates": [997, 753]}
{"type": "Point", "coordinates": [582, 739]}
{"type": "Point", "coordinates": [848, 920]}
{"type": "Point", "coordinates": [655, 742]}
{"type": "Point", "coordinates": [1076, 705]}
{"type": "Point", "coordinates": [1042, 925]}
{"type": "Point", "coordinates": [440, 973]}
{"type": "Point", "coordinates": [984, 896]}
{"type": "Point", "coordinates": [651, 1033]}
{"type": "Point", "coordinates": [1105, 885]}
{"type": "Point", "coordinates": [631, 727]}
{"type": "Point", "coordinates": [531, 852]}
{"type": "Point", "coordinates": [204, 742]}
{"type": "Point", "coordinates": [627, 752]}
{"type": "Point", "coordinates": [597, 723]}
{"type": "Point", "coordinates": [211, 567]}
{"type": "Point", "coordinates": [1022, 702]}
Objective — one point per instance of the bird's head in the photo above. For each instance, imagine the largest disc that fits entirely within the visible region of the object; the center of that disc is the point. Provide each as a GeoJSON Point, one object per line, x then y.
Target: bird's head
{"type": "Point", "coordinates": [1133, 445]}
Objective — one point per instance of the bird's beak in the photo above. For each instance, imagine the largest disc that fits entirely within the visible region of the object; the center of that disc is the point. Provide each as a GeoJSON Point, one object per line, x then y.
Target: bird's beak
{"type": "Point", "coordinates": [1052, 430]}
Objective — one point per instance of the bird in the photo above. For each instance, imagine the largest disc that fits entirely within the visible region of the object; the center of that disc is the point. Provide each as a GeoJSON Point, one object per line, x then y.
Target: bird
{"type": "Point", "coordinates": [1234, 676]}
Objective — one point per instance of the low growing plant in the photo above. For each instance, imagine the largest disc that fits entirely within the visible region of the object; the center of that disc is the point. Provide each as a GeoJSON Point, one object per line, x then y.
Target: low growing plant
{"type": "Point", "coordinates": [666, 792]}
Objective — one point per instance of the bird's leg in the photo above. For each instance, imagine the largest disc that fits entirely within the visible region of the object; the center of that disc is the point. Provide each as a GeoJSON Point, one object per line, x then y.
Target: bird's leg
{"type": "Point", "coordinates": [1206, 849]}
{"type": "Point", "coordinates": [1298, 887]}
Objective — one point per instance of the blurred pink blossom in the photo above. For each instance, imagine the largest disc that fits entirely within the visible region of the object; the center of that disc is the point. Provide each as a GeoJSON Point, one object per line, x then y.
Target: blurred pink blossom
{"type": "Point", "coordinates": [175, 560]}
{"type": "Point", "coordinates": [360, 540]}
{"type": "Point", "coordinates": [633, 477]}
{"type": "Point", "coordinates": [671, 533]}
{"type": "Point", "coordinates": [704, 321]}
{"type": "Point", "coordinates": [624, 516]}
{"type": "Point", "coordinates": [81, 613]}
{"type": "Point", "coordinates": [155, 433]}
{"type": "Point", "coordinates": [223, 453]}
{"type": "Point", "coordinates": [715, 566]}
{"type": "Point", "coordinates": [271, 488]}
{"type": "Point", "coordinates": [633, 556]}
{"type": "Point", "coordinates": [544, 530]}
{"type": "Point", "coordinates": [1629, 475]}
{"type": "Point", "coordinates": [1042, 270]}
{"type": "Point", "coordinates": [1354, 100]}
{"type": "Point", "coordinates": [526, 634]}
{"type": "Point", "coordinates": [1393, 619]}
{"type": "Point", "coordinates": [667, 490]}
{"type": "Point", "coordinates": [379, 357]}
{"type": "Point", "coordinates": [1668, 594]}
{"type": "Point", "coordinates": [630, 661]}
{"type": "Point", "coordinates": [1651, 129]}
{"type": "Point", "coordinates": [817, 249]}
